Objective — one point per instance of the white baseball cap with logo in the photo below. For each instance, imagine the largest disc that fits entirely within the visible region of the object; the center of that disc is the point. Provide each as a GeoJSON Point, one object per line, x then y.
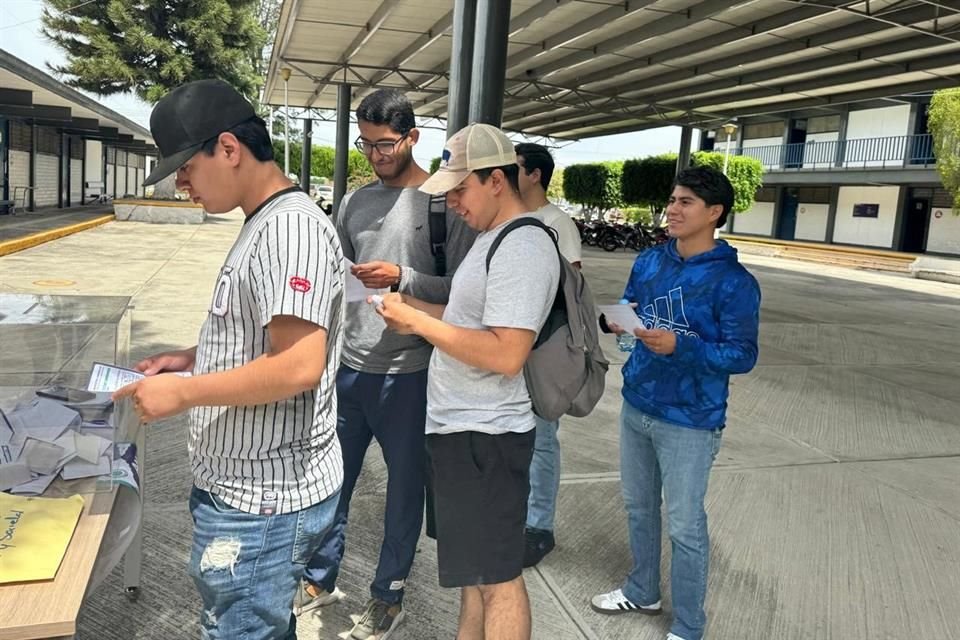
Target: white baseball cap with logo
{"type": "Point", "coordinates": [476, 146]}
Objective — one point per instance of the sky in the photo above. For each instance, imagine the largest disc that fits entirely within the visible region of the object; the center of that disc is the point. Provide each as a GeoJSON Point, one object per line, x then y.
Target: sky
{"type": "Point", "coordinates": [20, 35]}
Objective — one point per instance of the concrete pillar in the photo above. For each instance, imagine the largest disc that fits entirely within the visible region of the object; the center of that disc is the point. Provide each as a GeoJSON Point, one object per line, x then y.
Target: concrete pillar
{"type": "Point", "coordinates": [832, 210]}
{"type": "Point", "coordinates": [489, 70]}
{"type": "Point", "coordinates": [683, 155]}
{"type": "Point", "coordinates": [461, 57]}
{"type": "Point", "coordinates": [34, 143]}
{"type": "Point", "coordinates": [63, 180]}
{"type": "Point", "coordinates": [842, 138]}
{"type": "Point", "coordinates": [343, 146]}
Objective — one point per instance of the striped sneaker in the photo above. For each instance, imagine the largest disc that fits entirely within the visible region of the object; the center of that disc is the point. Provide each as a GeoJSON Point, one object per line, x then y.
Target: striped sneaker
{"type": "Point", "coordinates": [615, 602]}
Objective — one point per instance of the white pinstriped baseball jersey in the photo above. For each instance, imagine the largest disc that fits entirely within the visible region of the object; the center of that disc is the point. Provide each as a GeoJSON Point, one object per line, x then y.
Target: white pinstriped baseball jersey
{"type": "Point", "coordinates": [285, 456]}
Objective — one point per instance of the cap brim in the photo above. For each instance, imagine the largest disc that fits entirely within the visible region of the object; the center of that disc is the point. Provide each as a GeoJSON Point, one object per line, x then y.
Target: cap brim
{"type": "Point", "coordinates": [443, 180]}
{"type": "Point", "coordinates": [170, 164]}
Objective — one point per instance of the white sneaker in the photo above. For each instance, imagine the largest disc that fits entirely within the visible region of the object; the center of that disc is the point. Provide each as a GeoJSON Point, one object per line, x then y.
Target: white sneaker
{"type": "Point", "coordinates": [305, 601]}
{"type": "Point", "coordinates": [615, 602]}
{"type": "Point", "coordinates": [673, 636]}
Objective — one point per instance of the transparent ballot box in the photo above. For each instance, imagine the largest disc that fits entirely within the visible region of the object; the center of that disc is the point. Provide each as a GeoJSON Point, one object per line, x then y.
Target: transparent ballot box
{"type": "Point", "coordinates": [53, 341]}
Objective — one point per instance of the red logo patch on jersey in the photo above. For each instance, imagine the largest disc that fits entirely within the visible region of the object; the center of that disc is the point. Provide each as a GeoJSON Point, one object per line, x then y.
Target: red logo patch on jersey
{"type": "Point", "coordinates": [300, 284]}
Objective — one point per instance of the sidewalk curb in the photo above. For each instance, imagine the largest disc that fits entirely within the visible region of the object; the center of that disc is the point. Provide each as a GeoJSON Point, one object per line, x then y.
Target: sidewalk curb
{"type": "Point", "coordinates": [26, 242]}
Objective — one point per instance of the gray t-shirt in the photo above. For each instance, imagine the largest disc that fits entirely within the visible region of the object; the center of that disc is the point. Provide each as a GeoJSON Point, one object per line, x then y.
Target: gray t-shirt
{"type": "Point", "coordinates": [517, 293]}
{"type": "Point", "coordinates": [377, 222]}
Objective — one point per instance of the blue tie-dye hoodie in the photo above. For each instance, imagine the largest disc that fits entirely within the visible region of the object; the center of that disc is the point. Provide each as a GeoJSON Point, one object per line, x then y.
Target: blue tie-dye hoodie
{"type": "Point", "coordinates": [713, 305]}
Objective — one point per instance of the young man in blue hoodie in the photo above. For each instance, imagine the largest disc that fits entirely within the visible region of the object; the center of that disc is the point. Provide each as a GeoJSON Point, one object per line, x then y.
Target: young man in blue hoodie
{"type": "Point", "coordinates": [700, 309]}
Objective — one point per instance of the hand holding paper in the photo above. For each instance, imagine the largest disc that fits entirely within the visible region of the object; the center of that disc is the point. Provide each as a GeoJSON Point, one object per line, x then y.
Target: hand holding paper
{"type": "Point", "coordinates": [355, 290]}
{"type": "Point", "coordinates": [624, 316]}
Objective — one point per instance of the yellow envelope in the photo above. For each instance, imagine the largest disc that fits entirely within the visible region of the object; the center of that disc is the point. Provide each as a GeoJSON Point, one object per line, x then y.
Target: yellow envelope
{"type": "Point", "coordinates": [34, 535]}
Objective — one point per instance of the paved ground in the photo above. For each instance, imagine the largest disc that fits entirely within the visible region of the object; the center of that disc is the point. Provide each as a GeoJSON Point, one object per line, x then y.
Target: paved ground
{"type": "Point", "coordinates": [28, 223]}
{"type": "Point", "coordinates": [833, 507]}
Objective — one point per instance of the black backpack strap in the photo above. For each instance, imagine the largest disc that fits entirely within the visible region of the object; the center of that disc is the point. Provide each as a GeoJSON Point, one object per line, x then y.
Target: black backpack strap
{"type": "Point", "coordinates": [527, 221]}
{"type": "Point", "coordinates": [437, 220]}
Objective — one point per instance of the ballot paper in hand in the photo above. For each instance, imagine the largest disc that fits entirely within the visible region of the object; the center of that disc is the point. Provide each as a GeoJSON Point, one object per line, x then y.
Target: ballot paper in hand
{"type": "Point", "coordinates": [109, 378]}
{"type": "Point", "coordinates": [621, 314]}
{"type": "Point", "coordinates": [355, 290]}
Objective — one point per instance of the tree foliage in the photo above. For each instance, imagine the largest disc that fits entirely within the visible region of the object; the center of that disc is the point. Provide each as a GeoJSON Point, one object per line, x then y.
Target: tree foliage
{"type": "Point", "coordinates": [745, 174]}
{"type": "Point", "coordinates": [359, 171]}
{"type": "Point", "coordinates": [434, 165]}
{"type": "Point", "coordinates": [647, 182]}
{"type": "Point", "coordinates": [595, 185]}
{"type": "Point", "coordinates": [555, 188]}
{"type": "Point", "coordinates": [149, 47]}
{"type": "Point", "coordinates": [944, 125]}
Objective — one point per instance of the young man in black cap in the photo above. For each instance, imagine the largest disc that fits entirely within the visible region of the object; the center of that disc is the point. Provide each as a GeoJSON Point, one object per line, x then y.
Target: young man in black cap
{"type": "Point", "coordinates": [266, 460]}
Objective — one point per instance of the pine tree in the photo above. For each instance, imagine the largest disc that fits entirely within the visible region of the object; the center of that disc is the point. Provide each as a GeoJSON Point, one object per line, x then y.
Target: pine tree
{"type": "Point", "coordinates": [149, 47]}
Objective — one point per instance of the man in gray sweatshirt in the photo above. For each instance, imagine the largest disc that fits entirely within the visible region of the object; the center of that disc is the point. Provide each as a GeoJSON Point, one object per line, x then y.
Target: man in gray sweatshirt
{"type": "Point", "coordinates": [385, 229]}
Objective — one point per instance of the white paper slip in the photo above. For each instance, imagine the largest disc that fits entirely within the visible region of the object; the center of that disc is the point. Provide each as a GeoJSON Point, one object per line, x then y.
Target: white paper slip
{"type": "Point", "coordinates": [621, 314]}
{"type": "Point", "coordinates": [109, 378]}
{"type": "Point", "coordinates": [10, 451]}
{"type": "Point", "coordinates": [81, 469]}
{"type": "Point", "coordinates": [47, 434]}
{"type": "Point", "coordinates": [90, 448]}
{"type": "Point", "coordinates": [42, 457]}
{"type": "Point", "coordinates": [40, 412]}
{"type": "Point", "coordinates": [13, 474]}
{"type": "Point", "coordinates": [68, 443]}
{"type": "Point", "coordinates": [355, 290]}
{"type": "Point", "coordinates": [35, 487]}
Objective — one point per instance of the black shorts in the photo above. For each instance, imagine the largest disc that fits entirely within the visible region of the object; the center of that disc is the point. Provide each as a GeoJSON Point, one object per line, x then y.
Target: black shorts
{"type": "Point", "coordinates": [480, 484]}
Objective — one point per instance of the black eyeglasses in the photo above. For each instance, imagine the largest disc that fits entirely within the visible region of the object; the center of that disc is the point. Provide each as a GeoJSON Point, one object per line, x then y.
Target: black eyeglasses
{"type": "Point", "coordinates": [384, 147]}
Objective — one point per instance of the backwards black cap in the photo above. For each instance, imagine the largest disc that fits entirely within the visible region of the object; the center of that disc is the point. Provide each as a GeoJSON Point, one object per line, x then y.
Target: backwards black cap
{"type": "Point", "coordinates": [190, 115]}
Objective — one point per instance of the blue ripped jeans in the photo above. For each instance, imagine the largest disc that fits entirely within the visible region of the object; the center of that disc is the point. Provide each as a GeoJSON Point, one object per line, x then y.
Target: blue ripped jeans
{"type": "Point", "coordinates": [247, 567]}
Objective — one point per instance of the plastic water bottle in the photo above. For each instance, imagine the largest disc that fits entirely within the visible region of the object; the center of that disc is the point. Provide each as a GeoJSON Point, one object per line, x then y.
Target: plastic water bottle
{"type": "Point", "coordinates": [626, 340]}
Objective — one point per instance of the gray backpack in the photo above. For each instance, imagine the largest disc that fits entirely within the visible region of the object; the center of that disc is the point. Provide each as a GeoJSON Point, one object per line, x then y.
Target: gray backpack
{"type": "Point", "coordinates": [566, 369]}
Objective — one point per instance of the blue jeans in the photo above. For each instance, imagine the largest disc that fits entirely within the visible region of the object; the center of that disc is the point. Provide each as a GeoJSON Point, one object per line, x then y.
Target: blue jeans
{"type": "Point", "coordinates": [391, 408]}
{"type": "Point", "coordinates": [247, 567]}
{"type": "Point", "coordinates": [660, 456]}
{"type": "Point", "coordinates": [544, 476]}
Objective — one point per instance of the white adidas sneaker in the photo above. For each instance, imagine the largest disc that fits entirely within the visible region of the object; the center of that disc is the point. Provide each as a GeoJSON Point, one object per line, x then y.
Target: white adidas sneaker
{"type": "Point", "coordinates": [615, 602]}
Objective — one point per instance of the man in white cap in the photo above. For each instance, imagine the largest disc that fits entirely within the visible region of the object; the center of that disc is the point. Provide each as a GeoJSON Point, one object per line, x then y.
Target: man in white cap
{"type": "Point", "coordinates": [480, 424]}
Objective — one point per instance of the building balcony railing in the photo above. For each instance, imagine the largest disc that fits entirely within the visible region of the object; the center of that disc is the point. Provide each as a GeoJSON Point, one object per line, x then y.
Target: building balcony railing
{"type": "Point", "coordinates": [858, 153]}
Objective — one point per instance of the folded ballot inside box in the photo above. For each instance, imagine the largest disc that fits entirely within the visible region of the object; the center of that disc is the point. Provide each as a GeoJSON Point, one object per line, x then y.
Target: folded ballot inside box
{"type": "Point", "coordinates": [57, 432]}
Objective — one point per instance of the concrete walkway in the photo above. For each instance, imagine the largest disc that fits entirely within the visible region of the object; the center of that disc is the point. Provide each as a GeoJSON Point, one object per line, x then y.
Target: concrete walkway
{"type": "Point", "coordinates": [32, 228]}
{"type": "Point", "coordinates": [834, 506]}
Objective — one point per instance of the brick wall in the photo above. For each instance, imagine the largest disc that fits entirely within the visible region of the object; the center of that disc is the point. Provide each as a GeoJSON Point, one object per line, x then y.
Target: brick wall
{"type": "Point", "coordinates": [19, 136]}
{"type": "Point", "coordinates": [76, 182]}
{"type": "Point", "coordinates": [48, 171]}
{"type": "Point", "coordinates": [48, 141]}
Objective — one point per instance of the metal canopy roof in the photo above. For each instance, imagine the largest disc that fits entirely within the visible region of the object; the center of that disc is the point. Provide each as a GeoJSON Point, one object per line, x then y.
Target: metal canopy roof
{"type": "Point", "coordinates": [582, 68]}
{"type": "Point", "coordinates": [28, 92]}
